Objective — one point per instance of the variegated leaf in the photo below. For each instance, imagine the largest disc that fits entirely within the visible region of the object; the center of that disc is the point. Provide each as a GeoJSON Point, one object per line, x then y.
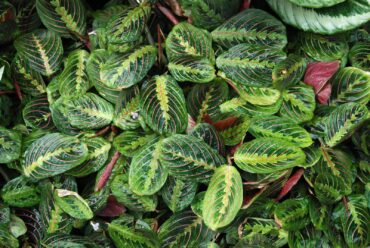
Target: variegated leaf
{"type": "Point", "coordinates": [359, 55]}
{"type": "Point", "coordinates": [293, 214]}
{"type": "Point", "coordinates": [250, 65]}
{"type": "Point", "coordinates": [209, 134]}
{"type": "Point", "coordinates": [187, 40]}
{"type": "Point", "coordinates": [20, 192]}
{"type": "Point", "coordinates": [10, 145]}
{"type": "Point", "coordinates": [121, 71]}
{"type": "Point", "coordinates": [63, 17]}
{"type": "Point", "coordinates": [129, 143]}
{"type": "Point", "coordinates": [42, 50]}
{"type": "Point", "coordinates": [224, 197]}
{"type": "Point", "coordinates": [147, 175]}
{"type": "Point", "coordinates": [178, 194]}
{"type": "Point", "coordinates": [189, 158]}
{"type": "Point", "coordinates": [262, 96]}
{"type": "Point", "coordinates": [316, 3]}
{"type": "Point", "coordinates": [67, 240]}
{"type": "Point", "coordinates": [251, 26]}
{"type": "Point", "coordinates": [36, 114]}
{"type": "Point", "coordinates": [268, 155]}
{"type": "Point", "coordinates": [163, 105]}
{"type": "Point", "coordinates": [280, 128]}
{"type": "Point", "coordinates": [239, 106]}
{"type": "Point", "coordinates": [52, 155]}
{"type": "Point", "coordinates": [235, 133]}
{"type": "Point", "coordinates": [73, 204]}
{"type": "Point", "coordinates": [60, 119]}
{"type": "Point", "coordinates": [288, 72]}
{"type": "Point", "coordinates": [73, 80]}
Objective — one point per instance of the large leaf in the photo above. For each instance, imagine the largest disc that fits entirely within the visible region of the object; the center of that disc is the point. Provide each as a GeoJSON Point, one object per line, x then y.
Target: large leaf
{"type": "Point", "coordinates": [268, 155]}
{"type": "Point", "coordinates": [187, 40]}
{"type": "Point", "coordinates": [281, 128]}
{"type": "Point", "coordinates": [184, 229]}
{"type": "Point", "coordinates": [163, 105]}
{"type": "Point", "coordinates": [250, 64]}
{"type": "Point", "coordinates": [63, 17]}
{"type": "Point", "coordinates": [128, 25]}
{"type": "Point", "coordinates": [224, 197]}
{"type": "Point", "coordinates": [358, 55]}
{"type": "Point", "coordinates": [129, 143]}
{"type": "Point", "coordinates": [341, 123]}
{"type": "Point", "coordinates": [189, 158]}
{"type": "Point", "coordinates": [36, 114]}
{"type": "Point", "coordinates": [205, 99]}
{"type": "Point", "coordinates": [288, 72]}
{"type": "Point", "coordinates": [341, 17]}
{"type": "Point", "coordinates": [316, 3]}
{"type": "Point", "coordinates": [147, 175]}
{"type": "Point", "coordinates": [10, 145]}
{"type": "Point", "coordinates": [52, 155]}
{"type": "Point", "coordinates": [178, 194]}
{"type": "Point", "coordinates": [20, 192]}
{"type": "Point", "coordinates": [73, 204]}
{"type": "Point", "coordinates": [350, 84]}
{"type": "Point", "coordinates": [121, 71]}
{"type": "Point", "coordinates": [42, 50]}
{"type": "Point", "coordinates": [293, 214]}
{"type": "Point", "coordinates": [73, 81]}
{"type": "Point", "coordinates": [262, 96]}
{"type": "Point", "coordinates": [88, 111]}
{"type": "Point", "coordinates": [251, 26]}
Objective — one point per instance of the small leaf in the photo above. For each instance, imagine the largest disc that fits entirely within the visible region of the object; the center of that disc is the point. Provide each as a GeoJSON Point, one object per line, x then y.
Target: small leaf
{"type": "Point", "coordinates": [17, 226]}
{"type": "Point", "coordinates": [36, 114]}
{"type": "Point", "coordinates": [10, 145]}
{"type": "Point", "coordinates": [20, 192]}
{"type": "Point", "coordinates": [73, 204]}
{"type": "Point", "coordinates": [293, 214]}
{"type": "Point", "coordinates": [358, 56]}
{"type": "Point", "coordinates": [288, 72]}
{"type": "Point", "coordinates": [130, 143]}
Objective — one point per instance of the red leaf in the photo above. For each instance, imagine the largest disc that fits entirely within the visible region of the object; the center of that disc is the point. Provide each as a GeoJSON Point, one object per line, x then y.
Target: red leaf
{"type": "Point", "coordinates": [191, 124]}
{"type": "Point", "coordinates": [290, 184]}
{"type": "Point", "coordinates": [108, 170]}
{"type": "Point", "coordinates": [318, 75]}
{"type": "Point", "coordinates": [245, 5]}
{"type": "Point", "coordinates": [113, 208]}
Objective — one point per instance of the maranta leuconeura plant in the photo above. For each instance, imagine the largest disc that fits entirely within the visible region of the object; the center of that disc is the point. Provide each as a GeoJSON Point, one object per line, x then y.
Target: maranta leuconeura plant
{"type": "Point", "coordinates": [184, 123]}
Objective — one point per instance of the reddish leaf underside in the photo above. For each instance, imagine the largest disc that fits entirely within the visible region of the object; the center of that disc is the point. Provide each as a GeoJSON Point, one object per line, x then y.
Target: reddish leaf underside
{"type": "Point", "coordinates": [293, 180]}
{"type": "Point", "coordinates": [113, 208]}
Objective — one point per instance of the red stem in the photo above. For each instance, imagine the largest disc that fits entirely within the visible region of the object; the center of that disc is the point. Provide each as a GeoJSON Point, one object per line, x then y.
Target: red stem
{"type": "Point", "coordinates": [17, 90]}
{"type": "Point", "coordinates": [107, 172]}
{"type": "Point", "coordinates": [102, 131]}
{"type": "Point", "coordinates": [159, 45]}
{"type": "Point", "coordinates": [170, 16]}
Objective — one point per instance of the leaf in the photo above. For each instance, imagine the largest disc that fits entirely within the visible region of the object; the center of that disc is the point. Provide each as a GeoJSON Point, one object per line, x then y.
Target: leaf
{"type": "Point", "coordinates": [73, 204]}
{"type": "Point", "coordinates": [128, 25]}
{"type": "Point", "coordinates": [88, 111]}
{"type": "Point", "coordinates": [251, 26]}
{"type": "Point", "coordinates": [192, 69]}
{"type": "Point", "coordinates": [17, 226]}
{"type": "Point", "coordinates": [7, 239]}
{"type": "Point", "coordinates": [10, 145]}
{"type": "Point", "coordinates": [178, 194]}
{"type": "Point", "coordinates": [183, 229]}
{"type": "Point", "coordinates": [236, 132]}
{"type": "Point", "coordinates": [52, 155]}
{"type": "Point", "coordinates": [224, 197]}
{"type": "Point", "coordinates": [189, 158]}
{"type": "Point", "coordinates": [268, 155]}
{"type": "Point", "coordinates": [341, 17]}
{"type": "Point", "coordinates": [241, 107]}
{"type": "Point", "coordinates": [42, 50]}
{"type": "Point", "coordinates": [63, 17]}
{"type": "Point", "coordinates": [113, 208]}
{"type": "Point", "coordinates": [123, 236]}
{"type": "Point", "coordinates": [317, 75]}
{"type": "Point", "coordinates": [257, 95]}
{"type": "Point", "coordinates": [249, 65]}
{"type": "Point", "coordinates": [187, 40]}
{"type": "Point", "coordinates": [205, 99]}
{"type": "Point", "coordinates": [298, 103]}
{"type": "Point", "coordinates": [73, 80]}
{"type": "Point", "coordinates": [209, 134]}
{"type": "Point", "coordinates": [121, 71]}
{"type": "Point", "coordinates": [293, 180]}
{"type": "Point", "coordinates": [147, 175]}
{"type": "Point", "coordinates": [59, 116]}
{"type": "Point", "coordinates": [120, 189]}
{"type": "Point", "coordinates": [163, 105]}
{"type": "Point", "coordinates": [36, 114]}
{"type": "Point", "coordinates": [324, 48]}
{"type": "Point", "coordinates": [280, 128]}
{"type": "Point", "coordinates": [316, 3]}
{"type": "Point", "coordinates": [350, 84]}
{"type": "Point", "coordinates": [342, 122]}
{"type": "Point", "coordinates": [329, 189]}
{"type": "Point", "coordinates": [358, 56]}
{"type": "Point", "coordinates": [288, 72]}
{"type": "Point", "coordinates": [20, 192]}
{"type": "Point", "coordinates": [293, 213]}
{"type": "Point", "coordinates": [130, 143]}
{"type": "Point", "coordinates": [98, 156]}
{"type": "Point", "coordinates": [66, 240]}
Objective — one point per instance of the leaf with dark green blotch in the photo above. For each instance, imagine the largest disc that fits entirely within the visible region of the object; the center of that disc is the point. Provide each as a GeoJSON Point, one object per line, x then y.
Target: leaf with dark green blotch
{"type": "Point", "coordinates": [102, 16]}
{"type": "Point", "coordinates": [178, 194]}
{"type": "Point", "coordinates": [197, 204]}
{"type": "Point", "coordinates": [20, 192]}
{"type": "Point", "coordinates": [192, 69]}
{"type": "Point", "coordinates": [251, 26]}
{"type": "Point", "coordinates": [121, 71]}
{"type": "Point", "coordinates": [36, 114]}
{"type": "Point", "coordinates": [163, 105]}
{"type": "Point", "coordinates": [263, 96]}
{"type": "Point", "coordinates": [59, 116]}
{"type": "Point", "coordinates": [288, 72]}
{"type": "Point", "coordinates": [184, 229]}
{"type": "Point", "coordinates": [249, 65]}
{"type": "Point", "coordinates": [359, 55]}
{"type": "Point", "coordinates": [293, 214]}
{"type": "Point", "coordinates": [131, 142]}
{"type": "Point", "coordinates": [235, 133]}
{"type": "Point", "coordinates": [52, 155]}
{"type": "Point", "coordinates": [73, 204]}
{"type": "Point", "coordinates": [10, 145]}
{"type": "Point", "coordinates": [42, 50]}
{"type": "Point", "coordinates": [209, 134]}
{"type": "Point", "coordinates": [120, 189]}
{"type": "Point", "coordinates": [268, 155]}
{"type": "Point", "coordinates": [189, 158]}
{"type": "Point", "coordinates": [64, 18]}
{"type": "Point", "coordinates": [281, 128]}
{"type": "Point", "coordinates": [224, 197]}
{"type": "Point", "coordinates": [239, 106]}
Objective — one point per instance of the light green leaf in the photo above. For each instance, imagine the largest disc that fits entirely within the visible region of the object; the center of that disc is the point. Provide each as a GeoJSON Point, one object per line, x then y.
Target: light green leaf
{"type": "Point", "coordinates": [73, 204]}
{"type": "Point", "coordinates": [20, 192]}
